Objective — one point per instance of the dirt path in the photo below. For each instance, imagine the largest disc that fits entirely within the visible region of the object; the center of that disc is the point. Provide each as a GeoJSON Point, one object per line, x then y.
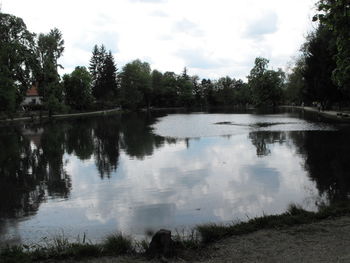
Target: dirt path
{"type": "Point", "coordinates": [326, 241]}
{"type": "Point", "coordinates": [340, 116]}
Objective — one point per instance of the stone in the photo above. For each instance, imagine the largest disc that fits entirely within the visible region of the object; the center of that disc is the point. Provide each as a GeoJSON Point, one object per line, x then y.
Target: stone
{"type": "Point", "coordinates": [161, 245]}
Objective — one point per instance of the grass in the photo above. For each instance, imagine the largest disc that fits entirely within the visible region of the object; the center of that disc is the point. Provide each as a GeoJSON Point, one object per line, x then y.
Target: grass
{"type": "Point", "coordinates": [117, 244]}
{"type": "Point", "coordinates": [294, 215]}
{"type": "Point", "coordinates": [60, 247]}
{"type": "Point", "coordinates": [187, 239]}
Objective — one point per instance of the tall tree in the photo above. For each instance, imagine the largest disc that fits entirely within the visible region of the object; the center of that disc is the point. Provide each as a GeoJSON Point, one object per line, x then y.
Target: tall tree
{"type": "Point", "coordinates": [185, 86]}
{"type": "Point", "coordinates": [104, 75]}
{"type": "Point", "coordinates": [136, 85]}
{"type": "Point", "coordinates": [96, 69]}
{"type": "Point", "coordinates": [17, 61]}
{"type": "Point", "coordinates": [336, 15]}
{"type": "Point", "coordinates": [170, 87]}
{"type": "Point", "coordinates": [225, 91]}
{"type": "Point", "coordinates": [266, 85]}
{"type": "Point", "coordinates": [295, 84]}
{"type": "Point", "coordinates": [95, 66]}
{"type": "Point", "coordinates": [158, 89]}
{"type": "Point", "coordinates": [50, 48]}
{"type": "Point", "coordinates": [77, 88]}
{"type": "Point", "coordinates": [109, 78]}
{"type": "Point", "coordinates": [209, 92]}
{"type": "Point", "coordinates": [319, 51]}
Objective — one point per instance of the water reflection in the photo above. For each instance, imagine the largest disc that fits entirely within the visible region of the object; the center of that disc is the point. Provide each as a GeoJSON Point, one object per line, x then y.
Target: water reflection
{"type": "Point", "coordinates": [327, 160]}
{"type": "Point", "coordinates": [119, 172]}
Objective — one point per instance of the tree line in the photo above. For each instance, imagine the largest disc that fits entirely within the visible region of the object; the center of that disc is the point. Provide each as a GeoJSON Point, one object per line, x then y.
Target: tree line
{"type": "Point", "coordinates": [321, 73]}
{"type": "Point", "coordinates": [28, 59]}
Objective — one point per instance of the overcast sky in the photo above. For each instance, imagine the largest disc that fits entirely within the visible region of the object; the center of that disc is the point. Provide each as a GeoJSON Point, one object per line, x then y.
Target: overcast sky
{"type": "Point", "coordinates": [212, 38]}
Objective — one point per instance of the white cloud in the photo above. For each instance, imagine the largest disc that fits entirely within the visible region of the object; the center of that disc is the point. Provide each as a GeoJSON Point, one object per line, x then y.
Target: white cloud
{"type": "Point", "coordinates": [266, 24]}
{"type": "Point", "coordinates": [209, 37]}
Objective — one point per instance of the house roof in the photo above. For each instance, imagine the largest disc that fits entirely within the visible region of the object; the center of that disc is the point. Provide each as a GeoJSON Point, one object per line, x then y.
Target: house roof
{"type": "Point", "coordinates": [33, 91]}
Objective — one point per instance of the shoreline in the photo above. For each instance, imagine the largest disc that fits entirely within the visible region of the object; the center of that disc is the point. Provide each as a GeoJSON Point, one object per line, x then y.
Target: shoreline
{"type": "Point", "coordinates": [338, 116]}
{"type": "Point", "coordinates": [36, 118]}
{"type": "Point", "coordinates": [210, 243]}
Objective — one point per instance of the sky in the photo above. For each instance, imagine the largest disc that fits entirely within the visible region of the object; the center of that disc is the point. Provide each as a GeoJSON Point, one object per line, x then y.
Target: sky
{"type": "Point", "coordinates": [212, 38]}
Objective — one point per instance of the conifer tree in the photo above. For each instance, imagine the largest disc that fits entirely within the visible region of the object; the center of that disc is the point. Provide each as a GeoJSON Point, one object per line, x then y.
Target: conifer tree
{"type": "Point", "coordinates": [109, 78]}
{"type": "Point", "coordinates": [103, 71]}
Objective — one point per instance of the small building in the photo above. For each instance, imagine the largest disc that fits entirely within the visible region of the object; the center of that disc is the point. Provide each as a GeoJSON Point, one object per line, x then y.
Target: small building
{"type": "Point", "coordinates": [32, 97]}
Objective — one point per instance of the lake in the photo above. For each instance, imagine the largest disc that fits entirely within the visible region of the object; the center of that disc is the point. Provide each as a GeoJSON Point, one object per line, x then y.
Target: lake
{"type": "Point", "coordinates": [139, 172]}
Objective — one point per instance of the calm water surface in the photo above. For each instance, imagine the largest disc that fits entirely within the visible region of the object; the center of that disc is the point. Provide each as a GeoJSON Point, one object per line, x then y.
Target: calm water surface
{"type": "Point", "coordinates": [139, 172]}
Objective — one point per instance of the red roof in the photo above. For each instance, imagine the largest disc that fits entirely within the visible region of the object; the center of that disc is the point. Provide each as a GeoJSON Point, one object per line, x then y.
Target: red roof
{"type": "Point", "coordinates": [33, 91]}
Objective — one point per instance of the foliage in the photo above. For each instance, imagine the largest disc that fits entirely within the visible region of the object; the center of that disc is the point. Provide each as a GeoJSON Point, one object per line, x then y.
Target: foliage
{"type": "Point", "coordinates": [17, 61]}
{"type": "Point", "coordinates": [169, 90]}
{"type": "Point", "coordinates": [295, 85]}
{"type": "Point", "coordinates": [135, 85]}
{"type": "Point", "coordinates": [77, 88]}
{"type": "Point", "coordinates": [320, 74]}
{"type": "Point", "coordinates": [266, 85]}
{"type": "Point", "coordinates": [319, 51]}
{"type": "Point", "coordinates": [104, 75]}
{"type": "Point", "coordinates": [336, 16]}
{"type": "Point", "coordinates": [185, 89]}
{"type": "Point", "coordinates": [49, 49]}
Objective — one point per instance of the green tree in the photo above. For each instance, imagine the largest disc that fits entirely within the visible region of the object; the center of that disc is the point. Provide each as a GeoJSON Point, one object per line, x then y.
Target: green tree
{"type": "Point", "coordinates": [95, 68]}
{"type": "Point", "coordinates": [104, 75]}
{"type": "Point", "coordinates": [77, 88]}
{"type": "Point", "coordinates": [295, 84]}
{"type": "Point", "coordinates": [198, 91]}
{"type": "Point", "coordinates": [50, 48]}
{"type": "Point", "coordinates": [319, 51]}
{"type": "Point", "coordinates": [135, 85]}
{"type": "Point", "coordinates": [170, 89]}
{"type": "Point", "coordinates": [17, 61]}
{"type": "Point", "coordinates": [225, 91]}
{"type": "Point", "coordinates": [336, 15]}
{"type": "Point", "coordinates": [158, 89]}
{"type": "Point", "coordinates": [266, 85]}
{"type": "Point", "coordinates": [185, 89]}
{"type": "Point", "coordinates": [209, 92]}
{"type": "Point", "coordinates": [109, 78]}
{"type": "Point", "coordinates": [243, 94]}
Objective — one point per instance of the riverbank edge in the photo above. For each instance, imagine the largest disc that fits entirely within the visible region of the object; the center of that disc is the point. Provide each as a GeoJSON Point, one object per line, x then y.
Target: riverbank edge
{"type": "Point", "coordinates": [36, 118]}
{"type": "Point", "coordinates": [188, 246]}
{"type": "Point", "coordinates": [340, 116]}
{"type": "Point", "coordinates": [337, 116]}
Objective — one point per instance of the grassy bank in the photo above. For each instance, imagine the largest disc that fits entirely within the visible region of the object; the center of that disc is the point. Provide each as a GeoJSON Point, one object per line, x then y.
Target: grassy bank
{"type": "Point", "coordinates": [60, 248]}
{"type": "Point", "coordinates": [293, 216]}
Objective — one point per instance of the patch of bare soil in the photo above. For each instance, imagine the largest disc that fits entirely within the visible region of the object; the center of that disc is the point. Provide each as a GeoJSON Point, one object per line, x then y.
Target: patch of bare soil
{"type": "Point", "coordinates": [325, 241]}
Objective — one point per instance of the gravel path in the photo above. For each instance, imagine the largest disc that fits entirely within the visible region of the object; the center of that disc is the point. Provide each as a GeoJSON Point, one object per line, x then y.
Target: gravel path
{"type": "Point", "coordinates": [326, 241]}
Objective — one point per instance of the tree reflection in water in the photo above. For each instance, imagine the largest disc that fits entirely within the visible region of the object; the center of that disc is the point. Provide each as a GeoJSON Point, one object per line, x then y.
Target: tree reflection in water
{"type": "Point", "coordinates": [327, 160]}
{"type": "Point", "coordinates": [32, 168]}
{"type": "Point", "coordinates": [326, 157]}
{"type": "Point", "coordinates": [32, 157]}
